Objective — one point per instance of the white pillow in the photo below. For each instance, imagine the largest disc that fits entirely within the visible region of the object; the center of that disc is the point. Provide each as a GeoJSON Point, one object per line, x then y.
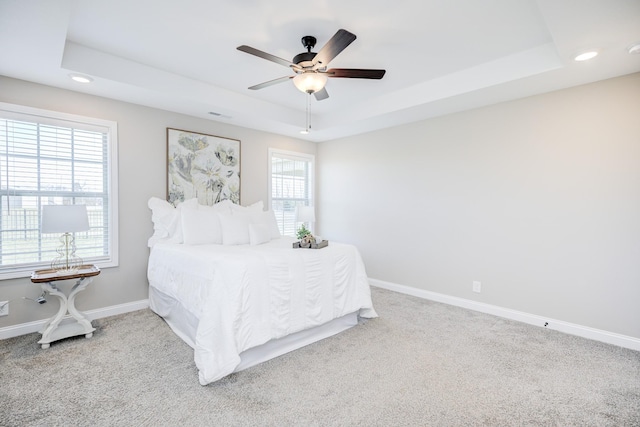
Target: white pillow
{"type": "Point", "coordinates": [163, 216]}
{"type": "Point", "coordinates": [258, 234]}
{"type": "Point", "coordinates": [200, 227]}
{"type": "Point", "coordinates": [272, 223]}
{"type": "Point", "coordinates": [189, 203]}
{"type": "Point", "coordinates": [235, 229]}
{"type": "Point", "coordinates": [256, 207]}
{"type": "Point", "coordinates": [224, 206]}
{"type": "Point", "coordinates": [167, 226]}
{"type": "Point", "coordinates": [268, 219]}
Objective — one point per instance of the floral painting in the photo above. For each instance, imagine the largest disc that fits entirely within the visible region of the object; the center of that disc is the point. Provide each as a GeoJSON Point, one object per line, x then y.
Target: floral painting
{"type": "Point", "coordinates": [202, 166]}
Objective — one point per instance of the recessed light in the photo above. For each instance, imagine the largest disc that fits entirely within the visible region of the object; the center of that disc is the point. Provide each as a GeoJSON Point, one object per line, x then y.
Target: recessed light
{"type": "Point", "coordinates": [585, 56]}
{"type": "Point", "coordinates": [80, 78]}
{"type": "Point", "coordinates": [635, 48]}
{"type": "Point", "coordinates": [304, 132]}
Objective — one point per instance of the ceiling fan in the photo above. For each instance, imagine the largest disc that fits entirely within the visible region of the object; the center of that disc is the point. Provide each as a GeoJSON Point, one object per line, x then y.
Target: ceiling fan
{"type": "Point", "coordinates": [310, 68]}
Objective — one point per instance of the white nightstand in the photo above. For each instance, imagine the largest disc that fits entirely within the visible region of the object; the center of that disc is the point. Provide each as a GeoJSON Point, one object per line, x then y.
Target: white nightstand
{"type": "Point", "coordinates": [53, 330]}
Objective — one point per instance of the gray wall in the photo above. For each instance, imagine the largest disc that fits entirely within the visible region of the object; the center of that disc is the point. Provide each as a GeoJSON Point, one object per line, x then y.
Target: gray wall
{"type": "Point", "coordinates": [142, 174]}
{"type": "Point", "coordinates": [539, 199]}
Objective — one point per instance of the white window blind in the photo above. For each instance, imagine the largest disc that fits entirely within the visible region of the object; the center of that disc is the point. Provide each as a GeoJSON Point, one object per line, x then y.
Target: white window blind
{"type": "Point", "coordinates": [291, 185]}
{"type": "Point", "coordinates": [52, 158]}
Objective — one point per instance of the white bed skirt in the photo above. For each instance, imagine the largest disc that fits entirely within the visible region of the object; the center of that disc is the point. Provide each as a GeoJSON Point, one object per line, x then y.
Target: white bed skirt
{"type": "Point", "coordinates": [185, 324]}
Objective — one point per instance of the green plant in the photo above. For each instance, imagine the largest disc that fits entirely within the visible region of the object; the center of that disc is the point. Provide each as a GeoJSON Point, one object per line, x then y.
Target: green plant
{"type": "Point", "coordinates": [302, 231]}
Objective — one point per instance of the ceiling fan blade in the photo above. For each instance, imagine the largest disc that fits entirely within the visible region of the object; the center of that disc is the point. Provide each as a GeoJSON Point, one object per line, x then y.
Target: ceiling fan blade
{"type": "Point", "coordinates": [355, 73]}
{"type": "Point", "coordinates": [264, 55]}
{"type": "Point", "coordinates": [321, 94]}
{"type": "Point", "coordinates": [334, 46]}
{"type": "Point", "coordinates": [271, 83]}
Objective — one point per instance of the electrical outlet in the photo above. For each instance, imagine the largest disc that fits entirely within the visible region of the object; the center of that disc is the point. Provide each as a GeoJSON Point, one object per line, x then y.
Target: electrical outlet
{"type": "Point", "coordinates": [4, 308]}
{"type": "Point", "coordinates": [477, 286]}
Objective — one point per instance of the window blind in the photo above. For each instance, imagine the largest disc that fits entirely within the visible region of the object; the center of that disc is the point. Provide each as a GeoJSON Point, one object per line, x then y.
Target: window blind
{"type": "Point", "coordinates": [49, 158]}
{"type": "Point", "coordinates": [291, 186]}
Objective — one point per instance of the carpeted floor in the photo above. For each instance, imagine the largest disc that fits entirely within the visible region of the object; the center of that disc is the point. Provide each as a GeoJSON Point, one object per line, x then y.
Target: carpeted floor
{"type": "Point", "coordinates": [420, 364]}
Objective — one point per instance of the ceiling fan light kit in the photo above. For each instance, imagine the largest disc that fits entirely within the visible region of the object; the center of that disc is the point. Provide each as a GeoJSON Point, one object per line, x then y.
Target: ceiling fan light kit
{"type": "Point", "coordinates": [310, 81]}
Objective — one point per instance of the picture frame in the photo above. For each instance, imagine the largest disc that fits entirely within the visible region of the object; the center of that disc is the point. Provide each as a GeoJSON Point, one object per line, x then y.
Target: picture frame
{"type": "Point", "coordinates": [202, 166]}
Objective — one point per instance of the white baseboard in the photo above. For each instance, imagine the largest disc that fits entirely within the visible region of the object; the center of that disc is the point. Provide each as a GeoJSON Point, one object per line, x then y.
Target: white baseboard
{"type": "Point", "coordinates": [99, 313]}
{"type": "Point", "coordinates": [532, 319]}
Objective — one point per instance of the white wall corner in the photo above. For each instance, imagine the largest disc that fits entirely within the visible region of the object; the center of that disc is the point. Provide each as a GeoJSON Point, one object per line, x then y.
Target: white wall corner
{"type": "Point", "coordinates": [99, 313]}
{"type": "Point", "coordinates": [532, 319]}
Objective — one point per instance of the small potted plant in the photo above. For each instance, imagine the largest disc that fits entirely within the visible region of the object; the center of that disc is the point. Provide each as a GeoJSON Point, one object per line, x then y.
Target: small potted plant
{"type": "Point", "coordinates": [302, 232]}
{"type": "Point", "coordinates": [305, 237]}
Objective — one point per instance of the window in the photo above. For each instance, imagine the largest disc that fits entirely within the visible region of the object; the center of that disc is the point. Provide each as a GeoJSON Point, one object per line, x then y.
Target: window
{"type": "Point", "coordinates": [291, 185]}
{"type": "Point", "coordinates": [53, 158]}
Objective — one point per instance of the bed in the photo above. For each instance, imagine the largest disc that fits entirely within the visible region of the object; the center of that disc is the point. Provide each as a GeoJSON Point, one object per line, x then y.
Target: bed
{"type": "Point", "coordinates": [239, 294]}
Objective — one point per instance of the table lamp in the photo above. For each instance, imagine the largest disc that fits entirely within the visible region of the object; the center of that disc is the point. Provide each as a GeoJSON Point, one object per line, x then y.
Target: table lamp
{"type": "Point", "coordinates": [65, 219]}
{"type": "Point", "coordinates": [305, 214]}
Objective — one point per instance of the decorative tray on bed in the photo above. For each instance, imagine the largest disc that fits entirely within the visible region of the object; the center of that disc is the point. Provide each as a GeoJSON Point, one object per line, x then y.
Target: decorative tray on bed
{"type": "Point", "coordinates": [320, 245]}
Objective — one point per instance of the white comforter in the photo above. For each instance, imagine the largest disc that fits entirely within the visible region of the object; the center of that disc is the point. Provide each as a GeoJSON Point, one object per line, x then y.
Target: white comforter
{"type": "Point", "coordinates": [247, 295]}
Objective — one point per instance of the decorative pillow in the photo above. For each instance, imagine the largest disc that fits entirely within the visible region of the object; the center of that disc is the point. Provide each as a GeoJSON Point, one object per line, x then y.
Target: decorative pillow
{"type": "Point", "coordinates": [256, 207]}
{"type": "Point", "coordinates": [272, 223]}
{"type": "Point", "coordinates": [163, 216]}
{"type": "Point", "coordinates": [166, 222]}
{"type": "Point", "coordinates": [268, 219]}
{"type": "Point", "coordinates": [200, 227]}
{"type": "Point", "coordinates": [167, 225]}
{"type": "Point", "coordinates": [223, 206]}
{"type": "Point", "coordinates": [258, 234]}
{"type": "Point", "coordinates": [190, 203]}
{"type": "Point", "coordinates": [235, 229]}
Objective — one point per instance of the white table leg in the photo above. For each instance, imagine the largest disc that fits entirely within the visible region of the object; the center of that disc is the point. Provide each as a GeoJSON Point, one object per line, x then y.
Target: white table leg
{"type": "Point", "coordinates": [53, 323]}
{"type": "Point", "coordinates": [80, 285]}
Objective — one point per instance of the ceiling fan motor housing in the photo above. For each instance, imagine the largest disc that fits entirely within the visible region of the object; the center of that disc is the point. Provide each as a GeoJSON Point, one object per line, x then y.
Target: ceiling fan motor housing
{"type": "Point", "coordinates": [308, 42]}
{"type": "Point", "coordinates": [303, 57]}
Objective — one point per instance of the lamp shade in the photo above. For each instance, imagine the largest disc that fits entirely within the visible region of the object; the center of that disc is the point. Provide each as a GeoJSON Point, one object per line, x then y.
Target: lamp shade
{"type": "Point", "coordinates": [305, 214]}
{"type": "Point", "coordinates": [64, 218]}
{"type": "Point", "coordinates": [310, 81]}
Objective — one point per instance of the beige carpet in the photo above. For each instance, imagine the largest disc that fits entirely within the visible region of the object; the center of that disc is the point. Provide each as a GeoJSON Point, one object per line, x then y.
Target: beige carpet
{"type": "Point", "coordinates": [420, 364]}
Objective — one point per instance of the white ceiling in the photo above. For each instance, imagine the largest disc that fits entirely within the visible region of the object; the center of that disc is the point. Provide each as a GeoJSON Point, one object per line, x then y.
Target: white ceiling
{"type": "Point", "coordinates": [440, 56]}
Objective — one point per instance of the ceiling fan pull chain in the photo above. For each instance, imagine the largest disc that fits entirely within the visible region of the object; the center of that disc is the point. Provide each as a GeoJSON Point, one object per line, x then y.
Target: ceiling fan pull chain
{"type": "Point", "coordinates": [309, 113]}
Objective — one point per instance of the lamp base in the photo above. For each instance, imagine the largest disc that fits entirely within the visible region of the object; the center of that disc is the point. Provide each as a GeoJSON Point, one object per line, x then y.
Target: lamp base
{"type": "Point", "coordinates": [67, 262]}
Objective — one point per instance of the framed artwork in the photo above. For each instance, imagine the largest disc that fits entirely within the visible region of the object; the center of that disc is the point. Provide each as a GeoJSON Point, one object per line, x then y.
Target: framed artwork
{"type": "Point", "coordinates": [201, 166]}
